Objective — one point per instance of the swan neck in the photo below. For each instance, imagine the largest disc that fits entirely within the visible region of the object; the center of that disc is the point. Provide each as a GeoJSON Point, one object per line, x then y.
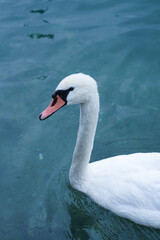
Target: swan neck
{"type": "Point", "coordinates": [85, 139]}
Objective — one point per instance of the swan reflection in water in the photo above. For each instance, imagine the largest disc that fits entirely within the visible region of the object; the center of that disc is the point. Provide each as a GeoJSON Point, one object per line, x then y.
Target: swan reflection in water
{"type": "Point", "coordinates": [73, 215]}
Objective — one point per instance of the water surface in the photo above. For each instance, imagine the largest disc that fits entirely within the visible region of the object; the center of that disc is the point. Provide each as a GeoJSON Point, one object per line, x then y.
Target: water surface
{"type": "Point", "coordinates": [116, 42]}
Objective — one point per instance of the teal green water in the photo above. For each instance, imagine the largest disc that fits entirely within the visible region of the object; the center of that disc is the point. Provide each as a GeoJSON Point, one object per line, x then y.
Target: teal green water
{"type": "Point", "coordinates": [116, 42]}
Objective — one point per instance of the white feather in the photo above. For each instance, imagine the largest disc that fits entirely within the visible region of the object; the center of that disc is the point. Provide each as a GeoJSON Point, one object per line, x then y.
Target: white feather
{"type": "Point", "coordinates": [128, 185]}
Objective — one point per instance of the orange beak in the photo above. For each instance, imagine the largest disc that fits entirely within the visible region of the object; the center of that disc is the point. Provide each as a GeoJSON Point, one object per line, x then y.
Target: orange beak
{"type": "Point", "coordinates": [54, 105]}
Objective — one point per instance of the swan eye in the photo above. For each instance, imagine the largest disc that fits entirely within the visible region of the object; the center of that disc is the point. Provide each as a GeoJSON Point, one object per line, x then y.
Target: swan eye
{"type": "Point", "coordinates": [62, 93]}
{"type": "Point", "coordinates": [71, 88]}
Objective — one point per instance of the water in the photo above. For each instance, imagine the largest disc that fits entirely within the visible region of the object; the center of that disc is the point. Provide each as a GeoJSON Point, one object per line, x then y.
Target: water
{"type": "Point", "coordinates": [116, 42]}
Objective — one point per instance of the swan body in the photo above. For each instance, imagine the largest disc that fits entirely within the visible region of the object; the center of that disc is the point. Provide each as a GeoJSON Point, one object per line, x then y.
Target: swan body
{"type": "Point", "coordinates": [128, 185]}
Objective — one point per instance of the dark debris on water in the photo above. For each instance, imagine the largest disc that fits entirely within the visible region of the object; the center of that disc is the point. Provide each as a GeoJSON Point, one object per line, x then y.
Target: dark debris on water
{"type": "Point", "coordinates": [40, 11]}
{"type": "Point", "coordinates": [39, 35]}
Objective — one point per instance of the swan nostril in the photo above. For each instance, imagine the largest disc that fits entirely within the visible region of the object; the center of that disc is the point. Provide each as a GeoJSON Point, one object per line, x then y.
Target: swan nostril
{"type": "Point", "coordinates": [54, 101]}
{"type": "Point", "coordinates": [40, 116]}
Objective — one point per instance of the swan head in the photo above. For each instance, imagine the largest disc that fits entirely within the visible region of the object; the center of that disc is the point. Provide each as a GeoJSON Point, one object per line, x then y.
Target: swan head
{"type": "Point", "coordinates": [73, 89]}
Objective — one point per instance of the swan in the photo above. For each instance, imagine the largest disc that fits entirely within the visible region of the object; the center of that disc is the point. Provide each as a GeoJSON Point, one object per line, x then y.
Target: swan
{"type": "Point", "coordinates": [128, 185]}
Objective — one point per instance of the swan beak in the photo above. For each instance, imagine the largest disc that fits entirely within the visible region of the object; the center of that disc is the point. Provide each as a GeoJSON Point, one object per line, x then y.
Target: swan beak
{"type": "Point", "coordinates": [54, 105]}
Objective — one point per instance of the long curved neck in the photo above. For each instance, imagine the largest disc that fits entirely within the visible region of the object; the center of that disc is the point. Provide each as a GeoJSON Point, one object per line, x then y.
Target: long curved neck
{"type": "Point", "coordinates": [84, 144]}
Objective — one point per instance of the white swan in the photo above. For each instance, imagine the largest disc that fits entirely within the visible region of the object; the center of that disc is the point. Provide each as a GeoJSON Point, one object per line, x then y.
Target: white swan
{"type": "Point", "coordinates": [128, 185]}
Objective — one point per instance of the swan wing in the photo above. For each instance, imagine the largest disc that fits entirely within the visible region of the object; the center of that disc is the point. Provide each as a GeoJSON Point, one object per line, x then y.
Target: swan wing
{"type": "Point", "coordinates": [128, 185]}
